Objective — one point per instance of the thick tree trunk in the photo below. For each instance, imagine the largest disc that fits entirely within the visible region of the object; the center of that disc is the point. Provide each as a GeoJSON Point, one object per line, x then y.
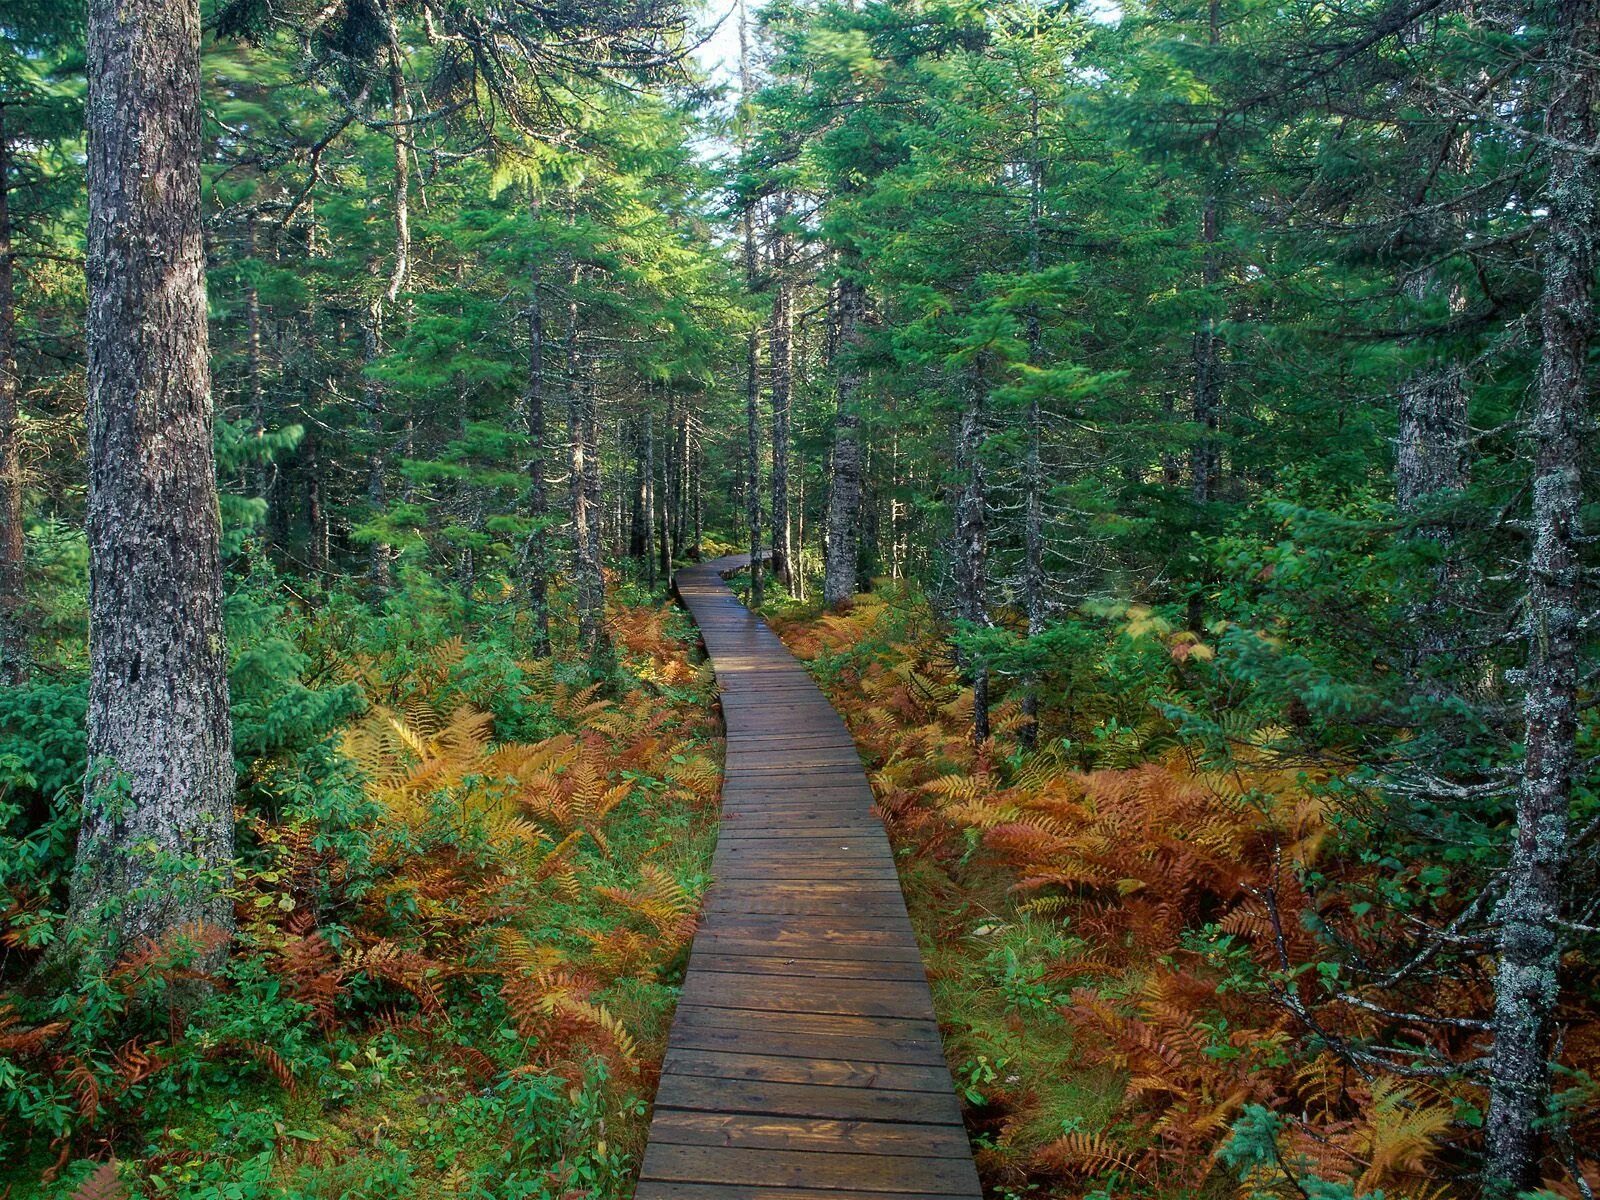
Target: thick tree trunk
{"type": "Point", "coordinates": [155, 849]}
{"type": "Point", "coordinates": [13, 647]}
{"type": "Point", "coordinates": [536, 553]}
{"type": "Point", "coordinates": [1527, 969]}
{"type": "Point", "coordinates": [780, 349]}
{"type": "Point", "coordinates": [969, 541]}
{"type": "Point", "coordinates": [844, 496]}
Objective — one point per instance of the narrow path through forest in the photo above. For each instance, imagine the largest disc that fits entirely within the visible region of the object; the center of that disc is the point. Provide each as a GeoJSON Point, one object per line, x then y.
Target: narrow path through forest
{"type": "Point", "coordinates": [804, 1060]}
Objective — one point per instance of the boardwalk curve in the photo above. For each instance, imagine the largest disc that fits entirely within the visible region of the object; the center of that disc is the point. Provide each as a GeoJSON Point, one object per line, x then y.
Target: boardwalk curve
{"type": "Point", "coordinates": [804, 1061]}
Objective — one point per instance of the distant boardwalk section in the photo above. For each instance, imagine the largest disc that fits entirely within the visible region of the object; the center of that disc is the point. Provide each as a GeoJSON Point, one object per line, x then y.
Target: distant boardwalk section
{"type": "Point", "coordinates": [804, 1061]}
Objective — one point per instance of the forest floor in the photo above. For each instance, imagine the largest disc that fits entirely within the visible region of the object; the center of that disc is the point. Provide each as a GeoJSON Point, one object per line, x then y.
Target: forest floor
{"type": "Point", "coordinates": [1090, 915]}
{"type": "Point", "coordinates": [457, 957]}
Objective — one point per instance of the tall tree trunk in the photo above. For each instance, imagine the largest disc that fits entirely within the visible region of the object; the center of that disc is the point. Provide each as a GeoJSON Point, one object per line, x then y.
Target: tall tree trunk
{"type": "Point", "coordinates": [648, 470]}
{"type": "Point", "coordinates": [844, 496]}
{"type": "Point", "coordinates": [378, 574]}
{"type": "Point", "coordinates": [752, 345]}
{"type": "Point", "coordinates": [316, 513]}
{"type": "Point", "coordinates": [680, 508]}
{"type": "Point", "coordinates": [664, 507]}
{"type": "Point", "coordinates": [1205, 457]}
{"type": "Point", "coordinates": [752, 426]}
{"type": "Point", "coordinates": [155, 849]}
{"type": "Point", "coordinates": [594, 507]}
{"type": "Point", "coordinates": [583, 467]}
{"type": "Point", "coordinates": [255, 388]}
{"type": "Point", "coordinates": [1430, 465]}
{"type": "Point", "coordinates": [13, 647]}
{"type": "Point", "coordinates": [536, 553]}
{"type": "Point", "coordinates": [1528, 959]}
{"type": "Point", "coordinates": [697, 496]}
{"type": "Point", "coordinates": [780, 349]}
{"type": "Point", "coordinates": [638, 483]}
{"type": "Point", "coordinates": [970, 541]}
{"type": "Point", "coordinates": [1032, 467]}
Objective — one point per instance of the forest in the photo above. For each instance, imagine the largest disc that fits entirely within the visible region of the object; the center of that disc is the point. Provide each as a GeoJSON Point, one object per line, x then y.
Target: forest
{"type": "Point", "coordinates": [1163, 429]}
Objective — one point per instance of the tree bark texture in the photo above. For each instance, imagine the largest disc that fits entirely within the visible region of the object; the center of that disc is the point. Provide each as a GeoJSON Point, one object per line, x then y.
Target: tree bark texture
{"type": "Point", "coordinates": [1528, 957]}
{"type": "Point", "coordinates": [156, 844]}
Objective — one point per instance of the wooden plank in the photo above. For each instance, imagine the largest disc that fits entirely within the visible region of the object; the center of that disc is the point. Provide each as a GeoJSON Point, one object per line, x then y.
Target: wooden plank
{"type": "Point", "coordinates": [694, 1016]}
{"type": "Point", "coordinates": [807, 1068]}
{"type": "Point", "coordinates": [791, 993]}
{"type": "Point", "coordinates": [807, 1100]}
{"type": "Point", "coordinates": [657, 1189]}
{"type": "Point", "coordinates": [747, 1132]}
{"type": "Point", "coordinates": [804, 1061]}
{"type": "Point", "coordinates": [801, 1168]}
{"type": "Point", "coordinates": [732, 1038]}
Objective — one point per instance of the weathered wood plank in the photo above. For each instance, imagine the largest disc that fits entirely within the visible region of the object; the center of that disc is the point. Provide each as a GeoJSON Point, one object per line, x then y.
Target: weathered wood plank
{"type": "Point", "coordinates": [804, 1061]}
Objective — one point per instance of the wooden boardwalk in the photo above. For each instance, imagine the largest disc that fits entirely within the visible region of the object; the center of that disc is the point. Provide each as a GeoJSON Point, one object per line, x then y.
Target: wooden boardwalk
{"type": "Point", "coordinates": [804, 1061]}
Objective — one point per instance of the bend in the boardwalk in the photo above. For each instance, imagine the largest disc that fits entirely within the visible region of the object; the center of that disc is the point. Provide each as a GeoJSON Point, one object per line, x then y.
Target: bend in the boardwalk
{"type": "Point", "coordinates": [804, 1061]}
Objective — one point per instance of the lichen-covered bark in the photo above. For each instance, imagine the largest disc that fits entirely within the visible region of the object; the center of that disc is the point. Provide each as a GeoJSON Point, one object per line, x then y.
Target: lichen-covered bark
{"type": "Point", "coordinates": [13, 658]}
{"type": "Point", "coordinates": [156, 843]}
{"type": "Point", "coordinates": [844, 493]}
{"type": "Point", "coordinates": [1528, 959]}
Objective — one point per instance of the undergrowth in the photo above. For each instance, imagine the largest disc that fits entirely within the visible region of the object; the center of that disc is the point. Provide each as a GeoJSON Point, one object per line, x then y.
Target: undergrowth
{"type": "Point", "coordinates": [466, 892]}
{"type": "Point", "coordinates": [1118, 930]}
